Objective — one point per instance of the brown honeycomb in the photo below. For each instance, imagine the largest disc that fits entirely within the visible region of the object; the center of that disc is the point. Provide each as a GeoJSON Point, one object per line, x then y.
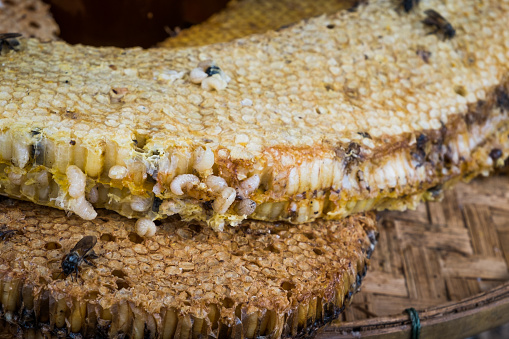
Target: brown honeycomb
{"type": "Point", "coordinates": [255, 279]}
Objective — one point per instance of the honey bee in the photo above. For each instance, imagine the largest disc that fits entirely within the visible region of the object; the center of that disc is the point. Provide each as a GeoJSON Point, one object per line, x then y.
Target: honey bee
{"type": "Point", "coordinates": [6, 233]}
{"type": "Point", "coordinates": [356, 5]}
{"type": "Point", "coordinates": [213, 70]}
{"type": "Point", "coordinates": [82, 251]}
{"type": "Point", "coordinates": [423, 54]}
{"type": "Point", "coordinates": [433, 18]}
{"type": "Point", "coordinates": [408, 5]}
{"type": "Point", "coordinates": [9, 40]}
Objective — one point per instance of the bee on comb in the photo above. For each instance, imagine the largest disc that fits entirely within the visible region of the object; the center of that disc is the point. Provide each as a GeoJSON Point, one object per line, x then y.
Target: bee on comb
{"type": "Point", "coordinates": [433, 18]}
{"type": "Point", "coordinates": [9, 40]}
{"type": "Point", "coordinates": [408, 5]}
{"type": "Point", "coordinates": [82, 251]}
{"type": "Point", "coordinates": [6, 233]}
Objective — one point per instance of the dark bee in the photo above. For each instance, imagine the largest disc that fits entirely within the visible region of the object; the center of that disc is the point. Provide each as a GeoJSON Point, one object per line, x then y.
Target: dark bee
{"type": "Point", "coordinates": [6, 233]}
{"type": "Point", "coordinates": [9, 40]}
{"type": "Point", "coordinates": [423, 54]}
{"type": "Point", "coordinates": [352, 155]}
{"type": "Point", "coordinates": [433, 18]}
{"type": "Point", "coordinates": [357, 4]}
{"type": "Point", "coordinates": [496, 153]}
{"type": "Point", "coordinates": [213, 70]}
{"type": "Point", "coordinates": [156, 204]}
{"type": "Point", "coordinates": [408, 5]}
{"type": "Point", "coordinates": [81, 252]}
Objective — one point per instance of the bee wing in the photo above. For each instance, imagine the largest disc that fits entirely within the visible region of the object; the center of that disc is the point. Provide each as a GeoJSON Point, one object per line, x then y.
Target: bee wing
{"type": "Point", "coordinates": [435, 17]}
{"type": "Point", "coordinates": [10, 35]}
{"type": "Point", "coordinates": [84, 245]}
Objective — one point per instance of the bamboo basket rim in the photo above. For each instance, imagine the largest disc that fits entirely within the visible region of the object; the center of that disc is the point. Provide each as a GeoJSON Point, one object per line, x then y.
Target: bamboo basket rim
{"type": "Point", "coordinates": [478, 213]}
{"type": "Point", "coordinates": [496, 299]}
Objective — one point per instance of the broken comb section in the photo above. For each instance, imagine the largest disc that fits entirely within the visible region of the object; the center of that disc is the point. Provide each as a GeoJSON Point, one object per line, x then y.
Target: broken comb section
{"type": "Point", "coordinates": [346, 119]}
{"type": "Point", "coordinates": [256, 280]}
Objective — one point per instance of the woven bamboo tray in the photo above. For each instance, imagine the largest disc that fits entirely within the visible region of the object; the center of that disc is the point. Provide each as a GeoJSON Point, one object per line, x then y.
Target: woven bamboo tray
{"type": "Point", "coordinates": [449, 260]}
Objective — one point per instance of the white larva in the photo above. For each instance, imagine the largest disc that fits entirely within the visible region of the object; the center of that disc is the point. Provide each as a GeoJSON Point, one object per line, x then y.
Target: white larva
{"type": "Point", "coordinates": [204, 159]}
{"type": "Point", "coordinates": [77, 181]}
{"type": "Point", "coordinates": [117, 172]}
{"type": "Point", "coordinates": [214, 82]}
{"type": "Point", "coordinates": [82, 208]}
{"type": "Point", "coordinates": [224, 200]}
{"type": "Point", "coordinates": [215, 183]}
{"type": "Point", "coordinates": [183, 181]}
{"type": "Point", "coordinates": [140, 204]}
{"type": "Point", "coordinates": [248, 186]}
{"type": "Point", "coordinates": [145, 227]}
{"type": "Point", "coordinates": [197, 75]}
